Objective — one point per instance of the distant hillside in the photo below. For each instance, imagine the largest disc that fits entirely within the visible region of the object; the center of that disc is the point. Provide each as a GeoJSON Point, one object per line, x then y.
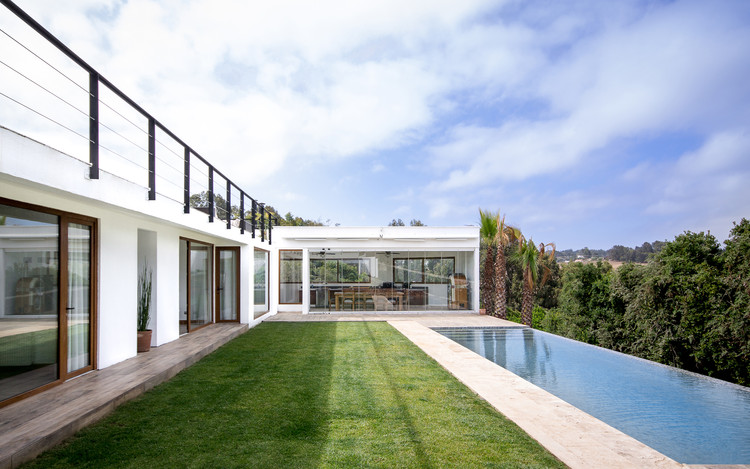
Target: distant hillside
{"type": "Point", "coordinates": [638, 254]}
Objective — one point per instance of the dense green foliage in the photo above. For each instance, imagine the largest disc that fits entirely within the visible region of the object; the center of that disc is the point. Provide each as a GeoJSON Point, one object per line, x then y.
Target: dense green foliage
{"type": "Point", "coordinates": [638, 254]}
{"type": "Point", "coordinates": [292, 220]}
{"type": "Point", "coordinates": [332, 394]}
{"type": "Point", "coordinates": [545, 295]}
{"type": "Point", "coordinates": [688, 307]}
{"type": "Point", "coordinates": [201, 201]}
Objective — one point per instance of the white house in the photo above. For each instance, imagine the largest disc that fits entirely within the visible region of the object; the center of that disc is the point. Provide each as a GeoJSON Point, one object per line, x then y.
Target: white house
{"type": "Point", "coordinates": [78, 230]}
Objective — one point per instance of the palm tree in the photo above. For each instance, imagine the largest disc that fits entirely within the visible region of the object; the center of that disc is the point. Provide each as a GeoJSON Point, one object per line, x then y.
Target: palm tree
{"type": "Point", "coordinates": [506, 235]}
{"type": "Point", "coordinates": [488, 225]}
{"type": "Point", "coordinates": [531, 262]}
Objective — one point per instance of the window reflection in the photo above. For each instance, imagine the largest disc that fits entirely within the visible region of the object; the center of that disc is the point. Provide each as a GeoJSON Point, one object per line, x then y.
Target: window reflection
{"type": "Point", "coordinates": [29, 307]}
{"type": "Point", "coordinates": [290, 277]}
{"type": "Point", "coordinates": [261, 282]}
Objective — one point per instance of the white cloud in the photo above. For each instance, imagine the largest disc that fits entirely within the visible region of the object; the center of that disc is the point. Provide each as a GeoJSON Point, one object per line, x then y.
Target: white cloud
{"type": "Point", "coordinates": [661, 72]}
{"type": "Point", "coordinates": [711, 181]}
{"type": "Point", "coordinates": [275, 80]}
{"type": "Point", "coordinates": [480, 94]}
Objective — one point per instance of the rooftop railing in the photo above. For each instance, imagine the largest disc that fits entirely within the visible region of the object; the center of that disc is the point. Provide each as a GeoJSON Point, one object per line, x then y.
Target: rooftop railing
{"type": "Point", "coordinates": [75, 103]}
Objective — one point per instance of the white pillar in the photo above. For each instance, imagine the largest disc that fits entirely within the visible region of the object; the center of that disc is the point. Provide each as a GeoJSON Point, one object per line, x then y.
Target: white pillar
{"type": "Point", "coordinates": [305, 281]}
{"type": "Point", "coordinates": [475, 286]}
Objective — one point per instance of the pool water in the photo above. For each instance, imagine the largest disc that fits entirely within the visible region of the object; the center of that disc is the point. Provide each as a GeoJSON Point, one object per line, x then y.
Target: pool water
{"type": "Point", "coordinates": [691, 418]}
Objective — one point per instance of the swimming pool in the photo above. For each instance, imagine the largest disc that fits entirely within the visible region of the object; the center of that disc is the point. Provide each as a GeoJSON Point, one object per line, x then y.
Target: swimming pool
{"type": "Point", "coordinates": [691, 418]}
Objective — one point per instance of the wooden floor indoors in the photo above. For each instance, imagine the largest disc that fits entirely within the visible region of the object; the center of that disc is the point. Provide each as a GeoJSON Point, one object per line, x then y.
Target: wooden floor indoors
{"type": "Point", "coordinates": [35, 424]}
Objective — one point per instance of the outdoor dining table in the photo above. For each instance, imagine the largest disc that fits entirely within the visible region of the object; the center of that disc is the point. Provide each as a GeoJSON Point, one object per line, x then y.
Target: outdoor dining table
{"type": "Point", "coordinates": [340, 296]}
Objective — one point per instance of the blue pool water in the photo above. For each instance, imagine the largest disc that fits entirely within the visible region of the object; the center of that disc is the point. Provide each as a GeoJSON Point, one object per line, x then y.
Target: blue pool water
{"type": "Point", "coordinates": [691, 418]}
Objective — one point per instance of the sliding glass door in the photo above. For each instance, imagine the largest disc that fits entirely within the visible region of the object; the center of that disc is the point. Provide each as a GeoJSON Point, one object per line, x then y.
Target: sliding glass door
{"type": "Point", "coordinates": [195, 285]}
{"type": "Point", "coordinates": [290, 276]}
{"type": "Point", "coordinates": [401, 280]}
{"type": "Point", "coordinates": [260, 296]}
{"type": "Point", "coordinates": [78, 309]}
{"type": "Point", "coordinates": [227, 283]}
{"type": "Point", "coordinates": [47, 297]}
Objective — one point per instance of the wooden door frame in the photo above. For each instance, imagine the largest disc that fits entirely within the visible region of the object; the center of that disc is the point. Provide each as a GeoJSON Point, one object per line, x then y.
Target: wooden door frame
{"type": "Point", "coordinates": [93, 297]}
{"type": "Point", "coordinates": [189, 286]}
{"type": "Point", "coordinates": [64, 219]}
{"type": "Point", "coordinates": [217, 274]}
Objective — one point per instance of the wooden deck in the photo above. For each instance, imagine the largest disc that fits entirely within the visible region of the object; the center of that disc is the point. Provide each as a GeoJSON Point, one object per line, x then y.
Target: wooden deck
{"type": "Point", "coordinates": [40, 422]}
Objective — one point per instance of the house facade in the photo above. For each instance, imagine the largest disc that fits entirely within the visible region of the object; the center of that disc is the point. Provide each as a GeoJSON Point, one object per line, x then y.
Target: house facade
{"type": "Point", "coordinates": [385, 269]}
{"type": "Point", "coordinates": [105, 198]}
{"type": "Point", "coordinates": [71, 253]}
{"type": "Point", "coordinates": [73, 249]}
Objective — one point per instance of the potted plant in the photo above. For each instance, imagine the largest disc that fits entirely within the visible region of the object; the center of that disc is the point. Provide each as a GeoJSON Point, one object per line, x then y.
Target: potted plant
{"type": "Point", "coordinates": [144, 310]}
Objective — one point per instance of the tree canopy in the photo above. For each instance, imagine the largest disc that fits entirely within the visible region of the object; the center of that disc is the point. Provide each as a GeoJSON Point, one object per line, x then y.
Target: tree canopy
{"type": "Point", "coordinates": [688, 307]}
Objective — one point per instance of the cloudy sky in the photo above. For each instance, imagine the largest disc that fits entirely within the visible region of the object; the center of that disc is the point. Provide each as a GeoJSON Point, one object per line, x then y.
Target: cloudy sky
{"type": "Point", "coordinates": [587, 123]}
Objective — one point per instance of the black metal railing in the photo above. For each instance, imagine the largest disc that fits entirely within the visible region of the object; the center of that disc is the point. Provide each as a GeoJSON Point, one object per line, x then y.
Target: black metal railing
{"type": "Point", "coordinates": [192, 198]}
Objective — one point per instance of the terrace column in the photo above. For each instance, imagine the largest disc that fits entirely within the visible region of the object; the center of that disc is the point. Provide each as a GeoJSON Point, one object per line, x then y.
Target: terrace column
{"type": "Point", "coordinates": [475, 283]}
{"type": "Point", "coordinates": [305, 281]}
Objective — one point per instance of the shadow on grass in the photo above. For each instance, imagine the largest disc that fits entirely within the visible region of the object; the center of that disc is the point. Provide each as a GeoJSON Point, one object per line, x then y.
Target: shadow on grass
{"type": "Point", "coordinates": [402, 408]}
{"type": "Point", "coordinates": [252, 403]}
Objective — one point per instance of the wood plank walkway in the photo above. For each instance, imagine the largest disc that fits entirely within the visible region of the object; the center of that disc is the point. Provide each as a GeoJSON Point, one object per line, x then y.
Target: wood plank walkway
{"type": "Point", "coordinates": [40, 422]}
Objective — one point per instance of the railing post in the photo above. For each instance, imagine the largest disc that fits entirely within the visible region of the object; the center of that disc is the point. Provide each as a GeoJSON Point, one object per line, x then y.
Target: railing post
{"type": "Point", "coordinates": [262, 222]}
{"type": "Point", "coordinates": [186, 209]}
{"type": "Point", "coordinates": [151, 158]}
{"type": "Point", "coordinates": [270, 229]}
{"type": "Point", "coordinates": [210, 194]}
{"type": "Point", "coordinates": [94, 125]}
{"type": "Point", "coordinates": [252, 216]}
{"type": "Point", "coordinates": [229, 204]}
{"type": "Point", "coordinates": [242, 212]}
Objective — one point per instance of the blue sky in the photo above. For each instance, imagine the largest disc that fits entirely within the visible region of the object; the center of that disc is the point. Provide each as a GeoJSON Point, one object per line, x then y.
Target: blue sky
{"type": "Point", "coordinates": [586, 123]}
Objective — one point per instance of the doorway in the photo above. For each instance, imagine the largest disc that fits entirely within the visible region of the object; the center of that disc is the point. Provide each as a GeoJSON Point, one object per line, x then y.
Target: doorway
{"type": "Point", "coordinates": [227, 284]}
{"type": "Point", "coordinates": [47, 297]}
{"type": "Point", "coordinates": [196, 285]}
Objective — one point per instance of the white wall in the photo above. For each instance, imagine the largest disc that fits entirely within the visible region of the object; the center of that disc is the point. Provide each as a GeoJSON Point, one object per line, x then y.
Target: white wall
{"type": "Point", "coordinates": [36, 174]}
{"type": "Point", "coordinates": [118, 288]}
{"type": "Point", "coordinates": [167, 318]}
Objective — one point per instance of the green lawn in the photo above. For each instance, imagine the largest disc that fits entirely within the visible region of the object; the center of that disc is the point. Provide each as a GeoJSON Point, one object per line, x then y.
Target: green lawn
{"type": "Point", "coordinates": [354, 394]}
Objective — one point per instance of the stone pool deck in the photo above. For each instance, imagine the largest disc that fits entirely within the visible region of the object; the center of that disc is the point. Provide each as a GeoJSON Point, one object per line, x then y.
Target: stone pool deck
{"type": "Point", "coordinates": [576, 438]}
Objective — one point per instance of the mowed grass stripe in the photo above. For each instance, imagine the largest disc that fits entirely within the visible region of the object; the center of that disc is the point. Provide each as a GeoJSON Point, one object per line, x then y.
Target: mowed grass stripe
{"type": "Point", "coordinates": [355, 394]}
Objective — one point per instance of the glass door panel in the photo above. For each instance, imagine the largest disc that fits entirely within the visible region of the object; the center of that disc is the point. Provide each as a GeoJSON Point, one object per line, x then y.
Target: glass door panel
{"type": "Point", "coordinates": [29, 272]}
{"type": "Point", "coordinates": [78, 310]}
{"type": "Point", "coordinates": [200, 285]}
{"type": "Point", "coordinates": [227, 293]}
{"type": "Point", "coordinates": [260, 282]}
{"type": "Point", "coordinates": [290, 277]}
{"type": "Point", "coordinates": [184, 280]}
